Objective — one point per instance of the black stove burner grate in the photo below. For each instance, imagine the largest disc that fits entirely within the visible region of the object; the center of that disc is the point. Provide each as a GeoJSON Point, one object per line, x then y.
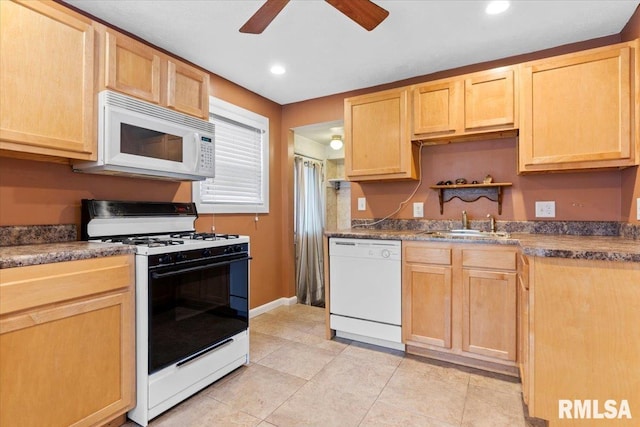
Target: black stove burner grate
{"type": "Point", "coordinates": [205, 236]}
{"type": "Point", "coordinates": [143, 241]}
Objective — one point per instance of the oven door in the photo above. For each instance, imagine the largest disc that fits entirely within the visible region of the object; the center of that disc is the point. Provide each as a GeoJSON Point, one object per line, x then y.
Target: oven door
{"type": "Point", "coordinates": [194, 307]}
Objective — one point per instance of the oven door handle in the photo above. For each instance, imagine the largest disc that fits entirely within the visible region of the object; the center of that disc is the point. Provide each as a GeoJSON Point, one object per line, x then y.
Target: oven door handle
{"type": "Point", "coordinates": [157, 275]}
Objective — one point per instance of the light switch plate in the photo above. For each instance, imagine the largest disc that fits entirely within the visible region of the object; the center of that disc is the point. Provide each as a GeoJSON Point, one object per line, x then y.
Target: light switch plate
{"type": "Point", "coordinates": [638, 208]}
{"type": "Point", "coordinates": [362, 204]}
{"type": "Point", "coordinates": [546, 209]}
{"type": "Point", "coordinates": [418, 210]}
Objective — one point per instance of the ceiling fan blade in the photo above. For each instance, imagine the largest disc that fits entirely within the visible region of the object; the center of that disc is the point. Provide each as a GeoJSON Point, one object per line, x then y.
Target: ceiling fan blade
{"type": "Point", "coordinates": [263, 17]}
{"type": "Point", "coordinates": [367, 14]}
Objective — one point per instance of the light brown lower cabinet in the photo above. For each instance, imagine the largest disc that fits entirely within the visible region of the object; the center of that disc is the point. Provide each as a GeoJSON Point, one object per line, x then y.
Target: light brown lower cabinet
{"type": "Point", "coordinates": [584, 342]}
{"type": "Point", "coordinates": [459, 303]}
{"type": "Point", "coordinates": [523, 326]}
{"type": "Point", "coordinates": [67, 342]}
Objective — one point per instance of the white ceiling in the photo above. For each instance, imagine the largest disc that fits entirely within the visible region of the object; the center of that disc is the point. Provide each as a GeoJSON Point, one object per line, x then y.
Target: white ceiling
{"type": "Point", "coordinates": [327, 53]}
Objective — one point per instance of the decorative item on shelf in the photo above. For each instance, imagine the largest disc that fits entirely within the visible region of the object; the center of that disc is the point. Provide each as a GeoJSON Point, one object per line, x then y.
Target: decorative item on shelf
{"type": "Point", "coordinates": [336, 142]}
{"type": "Point", "coordinates": [470, 192]}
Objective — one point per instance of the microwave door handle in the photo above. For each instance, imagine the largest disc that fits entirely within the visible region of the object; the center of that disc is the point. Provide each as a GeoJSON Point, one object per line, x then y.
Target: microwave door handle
{"type": "Point", "coordinates": [196, 138]}
{"type": "Point", "coordinates": [157, 275]}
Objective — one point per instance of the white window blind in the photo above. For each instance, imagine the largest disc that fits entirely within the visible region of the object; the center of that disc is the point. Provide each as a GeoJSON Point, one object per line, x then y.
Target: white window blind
{"type": "Point", "coordinates": [241, 179]}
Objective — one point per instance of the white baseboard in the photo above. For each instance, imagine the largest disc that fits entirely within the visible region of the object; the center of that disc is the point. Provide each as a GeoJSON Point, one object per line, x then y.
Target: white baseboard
{"type": "Point", "coordinates": [271, 305]}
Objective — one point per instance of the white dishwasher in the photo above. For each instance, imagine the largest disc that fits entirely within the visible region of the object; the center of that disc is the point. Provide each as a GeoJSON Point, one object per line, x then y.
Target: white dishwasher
{"type": "Point", "coordinates": [365, 277]}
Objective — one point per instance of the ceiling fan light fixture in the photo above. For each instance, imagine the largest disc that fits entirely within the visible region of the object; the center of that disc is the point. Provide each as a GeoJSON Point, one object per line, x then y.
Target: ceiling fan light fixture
{"type": "Point", "coordinates": [336, 142]}
{"type": "Point", "coordinates": [278, 69]}
{"type": "Point", "coordinates": [497, 6]}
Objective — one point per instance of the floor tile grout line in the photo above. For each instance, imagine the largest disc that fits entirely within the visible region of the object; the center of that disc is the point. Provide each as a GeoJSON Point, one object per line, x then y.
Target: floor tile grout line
{"type": "Point", "coordinates": [380, 393]}
{"type": "Point", "coordinates": [285, 401]}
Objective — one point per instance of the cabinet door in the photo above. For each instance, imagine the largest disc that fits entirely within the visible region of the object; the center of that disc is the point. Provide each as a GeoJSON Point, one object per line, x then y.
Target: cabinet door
{"type": "Point", "coordinates": [489, 313]}
{"type": "Point", "coordinates": [377, 141]}
{"type": "Point", "coordinates": [46, 80]}
{"type": "Point", "coordinates": [187, 89]}
{"type": "Point", "coordinates": [427, 298]}
{"type": "Point", "coordinates": [577, 111]}
{"type": "Point", "coordinates": [132, 67]}
{"type": "Point", "coordinates": [489, 100]}
{"type": "Point", "coordinates": [67, 342]}
{"type": "Point", "coordinates": [69, 365]}
{"type": "Point", "coordinates": [436, 108]}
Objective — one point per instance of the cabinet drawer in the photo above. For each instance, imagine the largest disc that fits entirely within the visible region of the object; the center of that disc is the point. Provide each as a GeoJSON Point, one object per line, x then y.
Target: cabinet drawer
{"type": "Point", "coordinates": [479, 258]}
{"type": "Point", "coordinates": [424, 255]}
{"type": "Point", "coordinates": [38, 285]}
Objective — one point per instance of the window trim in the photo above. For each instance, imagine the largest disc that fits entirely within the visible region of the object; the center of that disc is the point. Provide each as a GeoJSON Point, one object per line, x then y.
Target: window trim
{"type": "Point", "coordinates": [241, 115]}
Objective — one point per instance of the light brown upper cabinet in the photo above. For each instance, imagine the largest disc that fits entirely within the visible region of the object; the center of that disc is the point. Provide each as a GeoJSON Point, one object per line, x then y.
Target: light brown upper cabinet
{"type": "Point", "coordinates": [489, 100]}
{"type": "Point", "coordinates": [187, 89]}
{"type": "Point", "coordinates": [436, 108]}
{"type": "Point", "coordinates": [465, 107]}
{"type": "Point", "coordinates": [132, 67]}
{"type": "Point", "coordinates": [47, 78]}
{"type": "Point", "coordinates": [377, 139]}
{"type": "Point", "coordinates": [138, 70]}
{"type": "Point", "coordinates": [578, 111]}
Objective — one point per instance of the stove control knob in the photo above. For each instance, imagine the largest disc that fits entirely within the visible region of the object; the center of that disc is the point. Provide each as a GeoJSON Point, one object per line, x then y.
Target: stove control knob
{"type": "Point", "coordinates": [227, 250]}
{"type": "Point", "coordinates": [206, 252]}
{"type": "Point", "coordinates": [165, 259]}
{"type": "Point", "coordinates": [180, 256]}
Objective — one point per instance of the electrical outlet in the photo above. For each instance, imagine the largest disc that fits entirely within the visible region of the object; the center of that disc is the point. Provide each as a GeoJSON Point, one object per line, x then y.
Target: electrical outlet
{"type": "Point", "coordinates": [362, 204]}
{"type": "Point", "coordinates": [418, 210]}
{"type": "Point", "coordinates": [546, 209]}
{"type": "Point", "coordinates": [638, 208]}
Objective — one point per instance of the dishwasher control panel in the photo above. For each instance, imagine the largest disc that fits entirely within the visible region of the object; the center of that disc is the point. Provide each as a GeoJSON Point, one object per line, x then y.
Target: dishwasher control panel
{"type": "Point", "coordinates": [365, 248]}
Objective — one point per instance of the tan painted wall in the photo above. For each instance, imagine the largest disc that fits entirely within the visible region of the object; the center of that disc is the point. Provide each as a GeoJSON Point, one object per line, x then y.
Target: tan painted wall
{"type": "Point", "coordinates": [578, 196]}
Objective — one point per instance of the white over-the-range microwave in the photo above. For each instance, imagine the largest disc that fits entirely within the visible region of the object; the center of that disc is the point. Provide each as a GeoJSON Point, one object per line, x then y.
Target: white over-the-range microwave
{"type": "Point", "coordinates": [137, 138]}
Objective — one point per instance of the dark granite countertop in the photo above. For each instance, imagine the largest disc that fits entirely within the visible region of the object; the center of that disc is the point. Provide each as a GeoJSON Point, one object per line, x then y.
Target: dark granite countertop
{"type": "Point", "coordinates": [45, 253]}
{"type": "Point", "coordinates": [608, 248]}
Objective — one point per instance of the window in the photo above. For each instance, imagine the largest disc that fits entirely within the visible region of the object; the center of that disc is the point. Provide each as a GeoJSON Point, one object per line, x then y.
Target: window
{"type": "Point", "coordinates": [241, 182]}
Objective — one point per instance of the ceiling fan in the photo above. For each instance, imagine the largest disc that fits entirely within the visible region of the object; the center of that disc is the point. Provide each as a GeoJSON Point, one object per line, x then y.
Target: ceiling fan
{"type": "Point", "coordinates": [364, 12]}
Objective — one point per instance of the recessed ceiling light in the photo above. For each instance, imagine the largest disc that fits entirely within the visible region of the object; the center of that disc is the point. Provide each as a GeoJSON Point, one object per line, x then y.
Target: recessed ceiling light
{"type": "Point", "coordinates": [278, 69]}
{"type": "Point", "coordinates": [496, 6]}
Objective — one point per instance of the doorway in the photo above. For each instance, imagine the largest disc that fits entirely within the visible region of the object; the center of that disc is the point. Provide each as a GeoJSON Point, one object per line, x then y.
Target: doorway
{"type": "Point", "coordinates": [321, 201]}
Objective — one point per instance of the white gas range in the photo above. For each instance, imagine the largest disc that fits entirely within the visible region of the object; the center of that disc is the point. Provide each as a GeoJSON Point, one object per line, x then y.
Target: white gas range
{"type": "Point", "coordinates": [192, 297]}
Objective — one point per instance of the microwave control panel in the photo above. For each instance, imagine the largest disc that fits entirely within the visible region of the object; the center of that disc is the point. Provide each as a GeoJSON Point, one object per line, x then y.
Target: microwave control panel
{"type": "Point", "coordinates": [207, 155]}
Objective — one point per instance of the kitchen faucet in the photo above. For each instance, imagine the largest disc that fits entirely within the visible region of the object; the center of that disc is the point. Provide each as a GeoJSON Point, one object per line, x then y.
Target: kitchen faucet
{"type": "Point", "coordinates": [465, 220]}
{"type": "Point", "coordinates": [492, 222]}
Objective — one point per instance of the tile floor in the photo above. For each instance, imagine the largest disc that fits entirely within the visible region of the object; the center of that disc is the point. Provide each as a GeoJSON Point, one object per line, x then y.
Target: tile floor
{"type": "Point", "coordinates": [297, 378]}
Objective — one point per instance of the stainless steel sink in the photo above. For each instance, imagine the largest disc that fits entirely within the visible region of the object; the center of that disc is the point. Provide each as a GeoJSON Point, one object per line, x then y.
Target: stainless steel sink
{"type": "Point", "coordinates": [466, 233]}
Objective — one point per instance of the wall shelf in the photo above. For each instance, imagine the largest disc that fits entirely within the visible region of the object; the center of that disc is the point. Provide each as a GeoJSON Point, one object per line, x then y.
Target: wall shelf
{"type": "Point", "coordinates": [471, 193]}
{"type": "Point", "coordinates": [336, 183]}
